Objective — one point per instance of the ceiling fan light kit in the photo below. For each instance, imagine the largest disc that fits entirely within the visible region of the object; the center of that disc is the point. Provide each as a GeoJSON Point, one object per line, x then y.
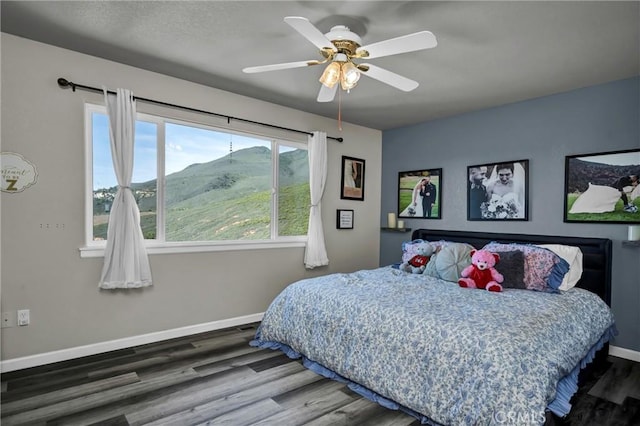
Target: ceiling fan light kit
{"type": "Point", "coordinates": [341, 46]}
{"type": "Point", "coordinates": [342, 70]}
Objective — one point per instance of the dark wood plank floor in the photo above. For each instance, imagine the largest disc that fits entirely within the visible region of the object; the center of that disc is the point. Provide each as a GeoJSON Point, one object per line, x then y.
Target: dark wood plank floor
{"type": "Point", "coordinates": [217, 378]}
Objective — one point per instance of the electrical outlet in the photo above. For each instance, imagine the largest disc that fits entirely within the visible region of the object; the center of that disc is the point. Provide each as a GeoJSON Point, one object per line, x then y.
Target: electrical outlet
{"type": "Point", "coordinates": [8, 319]}
{"type": "Point", "coordinates": [23, 317]}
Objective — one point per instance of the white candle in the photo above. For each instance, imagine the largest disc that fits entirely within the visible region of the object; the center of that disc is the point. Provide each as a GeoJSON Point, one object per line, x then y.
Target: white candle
{"type": "Point", "coordinates": [634, 233]}
{"type": "Point", "coordinates": [391, 218]}
{"type": "Point", "coordinates": [401, 224]}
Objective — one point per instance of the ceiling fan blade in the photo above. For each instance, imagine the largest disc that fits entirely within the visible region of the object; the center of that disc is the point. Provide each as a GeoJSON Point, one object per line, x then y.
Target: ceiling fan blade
{"type": "Point", "coordinates": [327, 94]}
{"type": "Point", "coordinates": [310, 32]}
{"type": "Point", "coordinates": [276, 67]}
{"type": "Point", "coordinates": [392, 79]}
{"type": "Point", "coordinates": [409, 43]}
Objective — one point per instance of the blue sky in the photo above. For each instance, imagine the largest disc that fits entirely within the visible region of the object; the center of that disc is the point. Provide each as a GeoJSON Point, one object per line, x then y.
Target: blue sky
{"type": "Point", "coordinates": [624, 159]}
{"type": "Point", "coordinates": [185, 145]}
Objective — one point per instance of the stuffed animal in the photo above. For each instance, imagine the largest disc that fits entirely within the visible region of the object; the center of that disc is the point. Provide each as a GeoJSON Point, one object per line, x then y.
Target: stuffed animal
{"type": "Point", "coordinates": [481, 273]}
{"type": "Point", "coordinates": [418, 262]}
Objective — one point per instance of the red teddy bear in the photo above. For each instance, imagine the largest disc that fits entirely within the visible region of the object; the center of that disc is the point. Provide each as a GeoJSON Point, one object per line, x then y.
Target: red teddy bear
{"type": "Point", "coordinates": [481, 273]}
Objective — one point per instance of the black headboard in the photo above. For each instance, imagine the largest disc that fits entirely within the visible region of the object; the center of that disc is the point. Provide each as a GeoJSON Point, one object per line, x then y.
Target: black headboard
{"type": "Point", "coordinates": [596, 261]}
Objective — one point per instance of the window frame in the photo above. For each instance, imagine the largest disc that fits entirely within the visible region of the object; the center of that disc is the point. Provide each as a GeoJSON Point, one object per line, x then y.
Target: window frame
{"type": "Point", "coordinates": [159, 245]}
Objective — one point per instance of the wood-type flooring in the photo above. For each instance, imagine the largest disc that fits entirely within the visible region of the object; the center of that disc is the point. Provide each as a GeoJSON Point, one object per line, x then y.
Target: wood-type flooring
{"type": "Point", "coordinates": [216, 378]}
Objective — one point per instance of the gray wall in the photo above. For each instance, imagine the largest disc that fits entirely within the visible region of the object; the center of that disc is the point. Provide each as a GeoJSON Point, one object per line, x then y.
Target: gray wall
{"type": "Point", "coordinates": [42, 269]}
{"type": "Point", "coordinates": [543, 130]}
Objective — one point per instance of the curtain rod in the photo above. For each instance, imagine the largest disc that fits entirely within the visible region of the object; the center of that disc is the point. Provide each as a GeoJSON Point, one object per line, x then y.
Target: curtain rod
{"type": "Point", "coordinates": [64, 83]}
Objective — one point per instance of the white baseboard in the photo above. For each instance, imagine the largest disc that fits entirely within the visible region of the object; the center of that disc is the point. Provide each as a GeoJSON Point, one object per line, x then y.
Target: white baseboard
{"type": "Point", "coordinates": [143, 339]}
{"type": "Point", "coordinates": [624, 353]}
{"type": "Point", "coordinates": [127, 342]}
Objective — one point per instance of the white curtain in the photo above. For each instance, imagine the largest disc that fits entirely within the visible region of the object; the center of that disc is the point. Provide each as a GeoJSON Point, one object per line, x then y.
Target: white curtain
{"type": "Point", "coordinates": [316, 253]}
{"type": "Point", "coordinates": [126, 264]}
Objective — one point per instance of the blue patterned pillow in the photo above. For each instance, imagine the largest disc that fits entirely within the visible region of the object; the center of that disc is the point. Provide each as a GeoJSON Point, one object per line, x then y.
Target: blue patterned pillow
{"type": "Point", "coordinates": [543, 269]}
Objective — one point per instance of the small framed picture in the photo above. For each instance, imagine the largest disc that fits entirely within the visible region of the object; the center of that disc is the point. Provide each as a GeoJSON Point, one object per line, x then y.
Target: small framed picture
{"type": "Point", "coordinates": [344, 219]}
{"type": "Point", "coordinates": [352, 182]}
{"type": "Point", "coordinates": [420, 194]}
{"type": "Point", "coordinates": [602, 187]}
{"type": "Point", "coordinates": [498, 191]}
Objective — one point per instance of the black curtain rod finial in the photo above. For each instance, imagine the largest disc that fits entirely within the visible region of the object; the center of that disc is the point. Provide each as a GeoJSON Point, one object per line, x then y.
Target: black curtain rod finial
{"type": "Point", "coordinates": [64, 83]}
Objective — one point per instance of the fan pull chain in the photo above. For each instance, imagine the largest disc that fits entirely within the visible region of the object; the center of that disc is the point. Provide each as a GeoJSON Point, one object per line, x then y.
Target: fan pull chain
{"type": "Point", "coordinates": [339, 109]}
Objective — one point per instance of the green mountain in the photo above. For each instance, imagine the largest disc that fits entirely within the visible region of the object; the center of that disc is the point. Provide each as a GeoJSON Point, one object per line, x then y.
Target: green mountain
{"type": "Point", "coordinates": [203, 200]}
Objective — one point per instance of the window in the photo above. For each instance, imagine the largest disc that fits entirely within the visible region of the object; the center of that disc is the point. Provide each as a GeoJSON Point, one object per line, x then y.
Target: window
{"type": "Point", "coordinates": [200, 185]}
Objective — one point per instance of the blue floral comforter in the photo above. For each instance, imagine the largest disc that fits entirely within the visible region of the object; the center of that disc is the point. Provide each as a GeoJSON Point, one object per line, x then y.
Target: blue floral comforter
{"type": "Point", "coordinates": [457, 356]}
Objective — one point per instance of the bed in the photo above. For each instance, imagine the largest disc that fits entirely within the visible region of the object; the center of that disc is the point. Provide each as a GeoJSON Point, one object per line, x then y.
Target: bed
{"type": "Point", "coordinates": [445, 354]}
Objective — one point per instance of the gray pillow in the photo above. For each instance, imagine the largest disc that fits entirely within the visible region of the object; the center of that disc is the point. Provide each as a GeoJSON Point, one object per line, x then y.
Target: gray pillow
{"type": "Point", "coordinates": [511, 266]}
{"type": "Point", "coordinates": [452, 259]}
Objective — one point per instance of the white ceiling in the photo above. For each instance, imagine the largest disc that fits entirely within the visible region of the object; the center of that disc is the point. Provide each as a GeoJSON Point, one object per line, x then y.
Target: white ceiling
{"type": "Point", "coordinates": [488, 53]}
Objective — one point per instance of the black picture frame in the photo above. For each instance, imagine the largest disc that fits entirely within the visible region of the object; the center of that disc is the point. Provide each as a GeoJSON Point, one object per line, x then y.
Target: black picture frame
{"type": "Point", "coordinates": [412, 202]}
{"type": "Point", "coordinates": [498, 191]}
{"type": "Point", "coordinates": [344, 219]}
{"type": "Point", "coordinates": [352, 179]}
{"type": "Point", "coordinates": [592, 185]}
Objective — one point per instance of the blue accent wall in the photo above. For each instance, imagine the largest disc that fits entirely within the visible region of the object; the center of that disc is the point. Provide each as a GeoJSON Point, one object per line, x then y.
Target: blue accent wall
{"type": "Point", "coordinates": [543, 130]}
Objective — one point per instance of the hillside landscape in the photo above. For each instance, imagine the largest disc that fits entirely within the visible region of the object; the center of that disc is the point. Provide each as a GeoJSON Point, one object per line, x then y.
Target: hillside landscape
{"type": "Point", "coordinates": [581, 173]}
{"type": "Point", "coordinates": [225, 199]}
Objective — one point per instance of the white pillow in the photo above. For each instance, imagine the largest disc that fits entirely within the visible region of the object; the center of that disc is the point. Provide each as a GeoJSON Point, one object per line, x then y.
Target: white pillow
{"type": "Point", "coordinates": [596, 199]}
{"type": "Point", "coordinates": [573, 256]}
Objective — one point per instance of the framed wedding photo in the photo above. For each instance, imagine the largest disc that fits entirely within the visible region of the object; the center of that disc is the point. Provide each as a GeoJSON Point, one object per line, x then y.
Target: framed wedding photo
{"type": "Point", "coordinates": [498, 191]}
{"type": "Point", "coordinates": [352, 181]}
{"type": "Point", "coordinates": [602, 187]}
{"type": "Point", "coordinates": [420, 194]}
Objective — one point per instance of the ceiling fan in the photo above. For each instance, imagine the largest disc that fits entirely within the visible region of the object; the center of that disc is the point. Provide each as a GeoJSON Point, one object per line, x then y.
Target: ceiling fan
{"type": "Point", "coordinates": [340, 47]}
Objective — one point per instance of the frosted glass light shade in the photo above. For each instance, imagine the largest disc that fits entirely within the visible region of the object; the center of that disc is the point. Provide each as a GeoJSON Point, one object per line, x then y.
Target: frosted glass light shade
{"type": "Point", "coordinates": [350, 76]}
{"type": "Point", "coordinates": [331, 75]}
